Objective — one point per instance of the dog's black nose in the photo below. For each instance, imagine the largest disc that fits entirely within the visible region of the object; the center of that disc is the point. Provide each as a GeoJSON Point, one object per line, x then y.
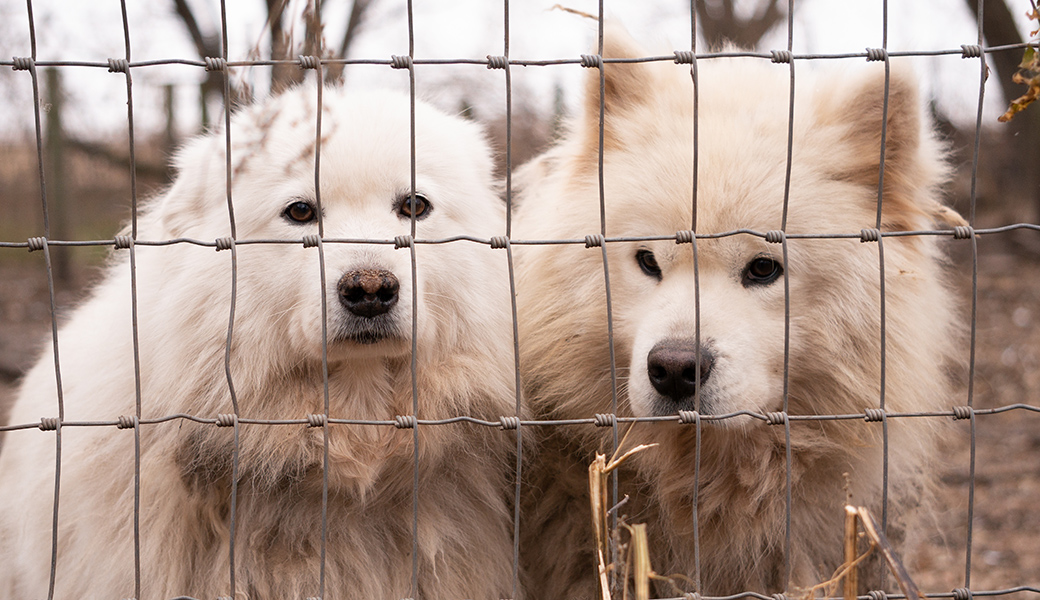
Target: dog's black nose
{"type": "Point", "coordinates": [672, 368]}
{"type": "Point", "coordinates": [368, 292]}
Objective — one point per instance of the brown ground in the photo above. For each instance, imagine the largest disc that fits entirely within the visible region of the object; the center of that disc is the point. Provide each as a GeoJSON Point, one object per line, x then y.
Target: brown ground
{"type": "Point", "coordinates": [1006, 531]}
{"type": "Point", "coordinates": [1006, 528]}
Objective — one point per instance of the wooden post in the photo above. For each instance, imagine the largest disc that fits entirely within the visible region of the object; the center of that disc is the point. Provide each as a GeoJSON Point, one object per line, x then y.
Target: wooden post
{"type": "Point", "coordinates": [55, 170]}
{"type": "Point", "coordinates": [170, 131]}
{"type": "Point", "coordinates": [203, 106]}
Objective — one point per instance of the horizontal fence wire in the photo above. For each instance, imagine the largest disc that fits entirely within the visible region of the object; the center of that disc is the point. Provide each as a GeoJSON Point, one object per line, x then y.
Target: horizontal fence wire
{"type": "Point", "coordinates": [125, 66]}
{"type": "Point", "coordinates": [34, 244]}
{"type": "Point", "coordinates": [506, 422]}
{"type": "Point", "coordinates": [681, 56]}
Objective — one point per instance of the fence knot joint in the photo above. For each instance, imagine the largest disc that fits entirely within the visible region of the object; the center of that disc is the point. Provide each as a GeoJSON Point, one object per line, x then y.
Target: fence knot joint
{"type": "Point", "coordinates": [37, 243]}
{"type": "Point", "coordinates": [48, 423]}
{"type": "Point", "coordinates": [405, 422]}
{"type": "Point", "coordinates": [509, 423]}
{"type": "Point", "coordinates": [22, 63]}
{"type": "Point", "coordinates": [592, 61]}
{"type": "Point", "coordinates": [400, 62]}
{"type": "Point", "coordinates": [876, 54]}
{"type": "Point", "coordinates": [226, 420]}
{"type": "Point", "coordinates": [781, 56]}
{"type": "Point", "coordinates": [497, 62]}
{"type": "Point", "coordinates": [776, 418]}
{"type": "Point", "coordinates": [874, 415]}
{"type": "Point", "coordinates": [215, 64]}
{"type": "Point", "coordinates": [869, 235]}
{"type": "Point", "coordinates": [971, 51]}
{"type": "Point", "coordinates": [126, 422]}
{"type": "Point", "coordinates": [594, 240]}
{"type": "Point", "coordinates": [684, 57]}
{"type": "Point", "coordinates": [308, 62]}
{"type": "Point", "coordinates": [606, 420]}
{"type": "Point", "coordinates": [118, 65]}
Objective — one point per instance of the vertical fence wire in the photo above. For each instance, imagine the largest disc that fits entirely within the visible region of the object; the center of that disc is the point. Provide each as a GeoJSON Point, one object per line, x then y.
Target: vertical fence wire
{"type": "Point", "coordinates": [517, 384]}
{"type": "Point", "coordinates": [614, 475]}
{"type": "Point", "coordinates": [695, 100]}
{"type": "Point", "coordinates": [230, 243]}
{"type": "Point", "coordinates": [415, 302]}
{"type": "Point", "coordinates": [881, 270]}
{"type": "Point", "coordinates": [133, 302]}
{"type": "Point", "coordinates": [51, 300]}
{"type": "Point", "coordinates": [789, 464]}
{"type": "Point", "coordinates": [788, 459]}
{"type": "Point", "coordinates": [984, 73]}
{"type": "Point", "coordinates": [319, 109]}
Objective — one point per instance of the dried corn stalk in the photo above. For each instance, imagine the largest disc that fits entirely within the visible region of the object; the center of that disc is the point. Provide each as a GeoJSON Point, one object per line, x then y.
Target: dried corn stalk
{"type": "Point", "coordinates": [598, 472]}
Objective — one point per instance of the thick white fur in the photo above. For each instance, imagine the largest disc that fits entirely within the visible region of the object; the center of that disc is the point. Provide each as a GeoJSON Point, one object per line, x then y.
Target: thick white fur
{"type": "Point", "coordinates": [835, 316]}
{"type": "Point", "coordinates": [465, 367]}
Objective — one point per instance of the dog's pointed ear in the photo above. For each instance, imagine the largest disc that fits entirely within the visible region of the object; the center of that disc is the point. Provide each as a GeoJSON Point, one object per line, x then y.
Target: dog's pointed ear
{"type": "Point", "coordinates": [914, 161]}
{"type": "Point", "coordinates": [199, 167]}
{"type": "Point", "coordinates": [625, 85]}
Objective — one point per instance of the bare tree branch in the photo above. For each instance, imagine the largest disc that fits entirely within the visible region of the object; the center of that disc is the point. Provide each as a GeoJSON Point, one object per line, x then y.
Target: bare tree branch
{"type": "Point", "coordinates": [281, 44]}
{"type": "Point", "coordinates": [357, 18]}
{"type": "Point", "coordinates": [720, 23]}
{"type": "Point", "coordinates": [203, 45]}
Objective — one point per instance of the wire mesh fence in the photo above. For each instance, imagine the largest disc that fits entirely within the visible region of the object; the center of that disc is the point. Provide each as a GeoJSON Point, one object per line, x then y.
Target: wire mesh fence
{"type": "Point", "coordinates": [514, 423]}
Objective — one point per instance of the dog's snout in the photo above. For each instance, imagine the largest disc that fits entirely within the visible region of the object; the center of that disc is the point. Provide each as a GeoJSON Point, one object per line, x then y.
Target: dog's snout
{"type": "Point", "coordinates": [368, 292]}
{"type": "Point", "coordinates": [672, 366]}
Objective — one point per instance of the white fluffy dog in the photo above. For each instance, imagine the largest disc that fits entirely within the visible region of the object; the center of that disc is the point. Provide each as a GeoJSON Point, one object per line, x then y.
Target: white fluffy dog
{"type": "Point", "coordinates": [184, 294]}
{"type": "Point", "coordinates": [707, 329]}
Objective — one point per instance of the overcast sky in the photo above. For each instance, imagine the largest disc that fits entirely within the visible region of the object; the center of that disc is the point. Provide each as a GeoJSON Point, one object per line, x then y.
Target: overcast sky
{"type": "Point", "coordinates": [92, 31]}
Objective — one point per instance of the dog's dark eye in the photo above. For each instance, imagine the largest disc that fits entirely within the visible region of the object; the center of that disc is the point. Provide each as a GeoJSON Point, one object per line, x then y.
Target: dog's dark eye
{"type": "Point", "coordinates": [420, 209]}
{"type": "Point", "coordinates": [648, 263]}
{"type": "Point", "coordinates": [300, 212]}
{"type": "Point", "coordinates": [762, 271]}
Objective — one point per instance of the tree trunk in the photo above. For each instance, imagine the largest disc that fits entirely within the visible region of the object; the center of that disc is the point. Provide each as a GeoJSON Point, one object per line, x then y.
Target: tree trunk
{"type": "Point", "coordinates": [999, 29]}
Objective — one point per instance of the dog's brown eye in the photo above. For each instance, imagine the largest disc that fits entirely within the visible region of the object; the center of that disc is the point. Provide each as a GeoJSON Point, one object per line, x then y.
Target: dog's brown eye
{"type": "Point", "coordinates": [300, 212]}
{"type": "Point", "coordinates": [648, 263]}
{"type": "Point", "coordinates": [418, 206]}
{"type": "Point", "coordinates": [762, 271]}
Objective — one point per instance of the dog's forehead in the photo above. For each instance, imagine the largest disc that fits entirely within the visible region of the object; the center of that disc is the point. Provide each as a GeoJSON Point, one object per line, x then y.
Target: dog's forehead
{"type": "Point", "coordinates": [366, 139]}
{"type": "Point", "coordinates": [723, 202]}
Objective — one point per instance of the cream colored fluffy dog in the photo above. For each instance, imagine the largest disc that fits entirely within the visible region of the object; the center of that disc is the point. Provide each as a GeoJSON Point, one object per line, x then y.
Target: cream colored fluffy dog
{"type": "Point", "coordinates": [464, 367]}
{"type": "Point", "coordinates": [735, 362]}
